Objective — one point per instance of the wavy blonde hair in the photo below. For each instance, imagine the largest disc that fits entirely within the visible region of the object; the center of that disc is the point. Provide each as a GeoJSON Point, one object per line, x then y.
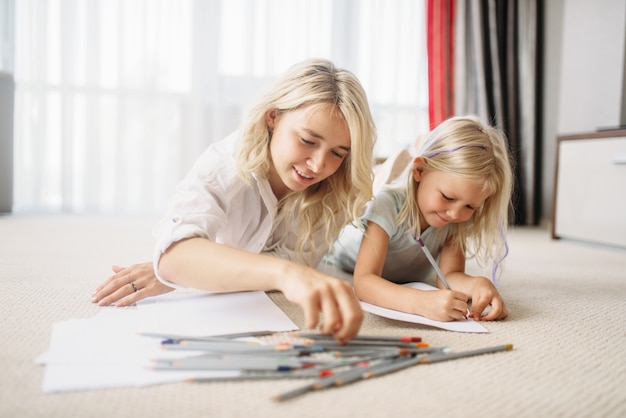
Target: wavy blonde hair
{"type": "Point", "coordinates": [339, 199]}
{"type": "Point", "coordinates": [467, 147]}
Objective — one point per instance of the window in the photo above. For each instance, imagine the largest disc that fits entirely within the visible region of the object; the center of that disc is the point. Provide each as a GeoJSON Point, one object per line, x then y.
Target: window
{"type": "Point", "coordinates": [116, 99]}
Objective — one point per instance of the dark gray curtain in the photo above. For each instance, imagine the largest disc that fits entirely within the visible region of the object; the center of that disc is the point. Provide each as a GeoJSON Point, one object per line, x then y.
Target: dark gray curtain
{"type": "Point", "coordinates": [498, 77]}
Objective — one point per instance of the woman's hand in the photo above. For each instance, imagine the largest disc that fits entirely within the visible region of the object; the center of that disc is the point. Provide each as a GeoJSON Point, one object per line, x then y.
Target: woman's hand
{"type": "Point", "coordinates": [128, 285]}
{"type": "Point", "coordinates": [318, 293]}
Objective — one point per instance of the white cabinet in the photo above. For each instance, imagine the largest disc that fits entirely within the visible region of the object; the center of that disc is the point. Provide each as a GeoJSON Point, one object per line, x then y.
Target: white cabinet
{"type": "Point", "coordinates": [590, 188]}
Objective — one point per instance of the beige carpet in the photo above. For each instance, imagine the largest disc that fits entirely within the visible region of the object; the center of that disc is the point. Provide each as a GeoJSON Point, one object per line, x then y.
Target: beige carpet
{"type": "Point", "coordinates": [567, 304]}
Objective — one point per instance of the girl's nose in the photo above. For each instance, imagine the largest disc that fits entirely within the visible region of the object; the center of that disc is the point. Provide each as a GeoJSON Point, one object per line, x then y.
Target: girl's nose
{"type": "Point", "coordinates": [453, 213]}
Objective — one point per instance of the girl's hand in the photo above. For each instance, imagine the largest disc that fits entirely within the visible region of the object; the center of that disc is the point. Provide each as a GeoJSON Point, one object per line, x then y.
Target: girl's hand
{"type": "Point", "coordinates": [318, 293]}
{"type": "Point", "coordinates": [484, 294]}
{"type": "Point", "coordinates": [119, 290]}
{"type": "Point", "coordinates": [443, 305]}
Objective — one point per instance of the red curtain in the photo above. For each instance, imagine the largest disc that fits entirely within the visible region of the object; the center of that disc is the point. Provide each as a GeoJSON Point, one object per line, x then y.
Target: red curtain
{"type": "Point", "coordinates": [440, 50]}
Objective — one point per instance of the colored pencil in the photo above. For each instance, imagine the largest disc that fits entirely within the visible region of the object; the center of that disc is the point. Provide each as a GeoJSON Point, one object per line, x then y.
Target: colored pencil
{"type": "Point", "coordinates": [436, 267]}
{"type": "Point", "coordinates": [385, 367]}
{"type": "Point", "coordinates": [462, 354]}
{"type": "Point", "coordinates": [322, 383]}
{"type": "Point", "coordinates": [433, 262]}
{"type": "Point", "coordinates": [368, 338]}
{"type": "Point", "coordinates": [218, 337]}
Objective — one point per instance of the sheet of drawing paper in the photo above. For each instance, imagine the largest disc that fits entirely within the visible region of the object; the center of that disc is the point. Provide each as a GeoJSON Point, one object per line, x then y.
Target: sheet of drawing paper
{"type": "Point", "coordinates": [467, 325]}
{"type": "Point", "coordinates": [107, 351]}
{"type": "Point", "coordinates": [205, 314]}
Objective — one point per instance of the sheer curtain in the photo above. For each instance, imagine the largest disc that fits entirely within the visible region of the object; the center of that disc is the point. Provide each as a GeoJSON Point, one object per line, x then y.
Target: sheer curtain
{"type": "Point", "coordinates": [115, 99]}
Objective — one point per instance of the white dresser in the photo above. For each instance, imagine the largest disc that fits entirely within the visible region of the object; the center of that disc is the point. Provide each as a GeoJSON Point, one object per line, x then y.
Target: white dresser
{"type": "Point", "coordinates": [590, 188]}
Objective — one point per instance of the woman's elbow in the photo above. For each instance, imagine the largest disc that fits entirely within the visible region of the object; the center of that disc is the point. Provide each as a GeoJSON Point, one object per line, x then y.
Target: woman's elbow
{"type": "Point", "coordinates": [166, 267]}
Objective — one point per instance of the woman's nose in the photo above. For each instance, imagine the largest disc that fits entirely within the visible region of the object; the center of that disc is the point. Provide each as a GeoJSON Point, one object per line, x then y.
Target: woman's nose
{"type": "Point", "coordinates": [316, 162]}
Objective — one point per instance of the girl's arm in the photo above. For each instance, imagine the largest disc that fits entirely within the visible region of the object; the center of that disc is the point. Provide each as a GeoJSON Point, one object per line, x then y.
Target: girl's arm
{"type": "Point", "coordinates": [202, 264]}
{"type": "Point", "coordinates": [481, 290]}
{"type": "Point", "coordinates": [370, 286]}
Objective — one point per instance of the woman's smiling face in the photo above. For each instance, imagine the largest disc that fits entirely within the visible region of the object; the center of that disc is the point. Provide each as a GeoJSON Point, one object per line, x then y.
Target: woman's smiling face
{"type": "Point", "coordinates": [307, 146]}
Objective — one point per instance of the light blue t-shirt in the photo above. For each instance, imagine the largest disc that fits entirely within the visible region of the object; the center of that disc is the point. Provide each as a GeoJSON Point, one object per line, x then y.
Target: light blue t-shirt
{"type": "Point", "coordinates": [405, 261]}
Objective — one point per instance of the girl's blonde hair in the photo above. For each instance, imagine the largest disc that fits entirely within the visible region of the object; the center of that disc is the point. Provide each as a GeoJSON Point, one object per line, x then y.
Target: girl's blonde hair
{"type": "Point", "coordinates": [466, 147]}
{"type": "Point", "coordinates": [339, 199]}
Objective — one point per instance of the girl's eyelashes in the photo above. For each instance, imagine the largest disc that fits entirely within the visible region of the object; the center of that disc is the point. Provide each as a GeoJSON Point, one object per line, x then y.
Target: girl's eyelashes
{"type": "Point", "coordinates": [450, 199]}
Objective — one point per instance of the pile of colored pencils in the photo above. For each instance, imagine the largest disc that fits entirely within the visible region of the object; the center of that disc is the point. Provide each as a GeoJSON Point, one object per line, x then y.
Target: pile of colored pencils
{"type": "Point", "coordinates": [307, 355]}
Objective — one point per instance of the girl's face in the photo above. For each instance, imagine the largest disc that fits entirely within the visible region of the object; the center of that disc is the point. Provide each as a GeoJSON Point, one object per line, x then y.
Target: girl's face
{"type": "Point", "coordinates": [445, 198]}
{"type": "Point", "coordinates": [307, 146]}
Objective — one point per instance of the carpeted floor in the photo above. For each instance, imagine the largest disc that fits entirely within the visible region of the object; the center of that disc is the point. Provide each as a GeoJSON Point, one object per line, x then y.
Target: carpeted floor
{"type": "Point", "coordinates": [567, 305]}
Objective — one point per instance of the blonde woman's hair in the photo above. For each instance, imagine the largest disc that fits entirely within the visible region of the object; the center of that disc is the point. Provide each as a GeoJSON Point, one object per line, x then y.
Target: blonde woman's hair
{"type": "Point", "coordinates": [339, 199]}
{"type": "Point", "coordinates": [467, 147]}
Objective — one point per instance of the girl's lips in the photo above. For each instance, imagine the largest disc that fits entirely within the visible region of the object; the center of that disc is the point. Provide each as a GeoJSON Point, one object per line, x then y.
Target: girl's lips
{"type": "Point", "coordinates": [442, 219]}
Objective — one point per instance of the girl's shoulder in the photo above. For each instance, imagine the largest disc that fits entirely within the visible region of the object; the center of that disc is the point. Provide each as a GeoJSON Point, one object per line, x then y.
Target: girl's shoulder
{"type": "Point", "coordinates": [390, 196]}
{"type": "Point", "coordinates": [386, 203]}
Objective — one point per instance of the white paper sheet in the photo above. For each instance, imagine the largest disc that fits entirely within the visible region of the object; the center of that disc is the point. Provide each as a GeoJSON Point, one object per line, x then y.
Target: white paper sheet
{"type": "Point", "coordinates": [107, 351]}
{"type": "Point", "coordinates": [213, 314]}
{"type": "Point", "coordinates": [467, 325]}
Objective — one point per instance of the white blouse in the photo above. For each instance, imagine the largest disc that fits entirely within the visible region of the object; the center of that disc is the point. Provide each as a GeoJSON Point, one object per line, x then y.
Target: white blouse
{"type": "Point", "coordinates": [213, 202]}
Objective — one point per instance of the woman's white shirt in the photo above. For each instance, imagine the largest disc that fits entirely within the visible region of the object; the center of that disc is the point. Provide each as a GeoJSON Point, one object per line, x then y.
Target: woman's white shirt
{"type": "Point", "coordinates": [213, 202]}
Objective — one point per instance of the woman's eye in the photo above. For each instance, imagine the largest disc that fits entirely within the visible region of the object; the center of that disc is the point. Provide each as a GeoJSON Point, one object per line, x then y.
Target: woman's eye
{"type": "Point", "coordinates": [449, 199]}
{"type": "Point", "coordinates": [338, 155]}
{"type": "Point", "coordinates": [306, 141]}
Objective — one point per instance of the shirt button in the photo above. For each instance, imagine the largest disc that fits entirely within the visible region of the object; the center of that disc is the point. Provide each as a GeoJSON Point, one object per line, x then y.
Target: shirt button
{"type": "Point", "coordinates": [175, 219]}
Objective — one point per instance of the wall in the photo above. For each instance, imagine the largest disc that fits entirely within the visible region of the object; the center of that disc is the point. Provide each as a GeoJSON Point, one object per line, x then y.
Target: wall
{"type": "Point", "coordinates": [584, 70]}
{"type": "Point", "coordinates": [7, 88]}
{"type": "Point", "coordinates": [592, 65]}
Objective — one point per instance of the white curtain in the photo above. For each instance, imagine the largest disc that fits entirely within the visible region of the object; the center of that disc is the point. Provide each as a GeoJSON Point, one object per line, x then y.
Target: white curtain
{"type": "Point", "coordinates": [115, 99]}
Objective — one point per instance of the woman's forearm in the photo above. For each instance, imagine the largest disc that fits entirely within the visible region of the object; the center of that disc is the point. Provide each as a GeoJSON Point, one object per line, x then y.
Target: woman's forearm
{"type": "Point", "coordinates": [202, 264]}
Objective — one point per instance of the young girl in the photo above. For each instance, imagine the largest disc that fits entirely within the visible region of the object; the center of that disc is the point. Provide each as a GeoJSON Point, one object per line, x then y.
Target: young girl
{"type": "Point", "coordinates": [259, 209]}
{"type": "Point", "coordinates": [456, 201]}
